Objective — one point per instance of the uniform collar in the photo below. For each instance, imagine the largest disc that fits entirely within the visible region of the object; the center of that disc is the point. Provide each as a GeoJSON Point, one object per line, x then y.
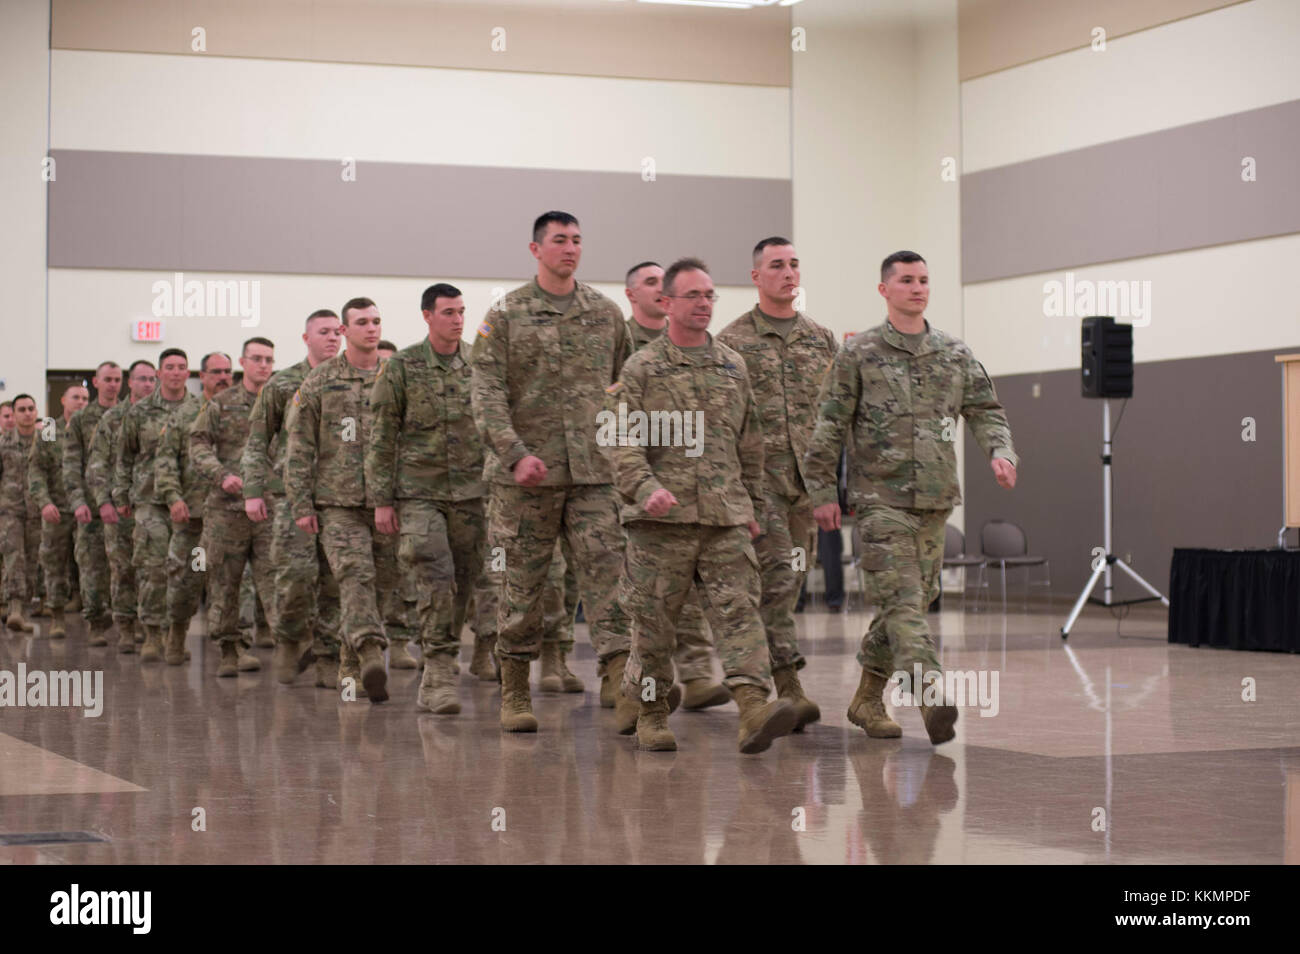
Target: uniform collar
{"type": "Point", "coordinates": [765, 327]}
{"type": "Point", "coordinates": [543, 297]}
{"type": "Point", "coordinates": [896, 339]}
{"type": "Point", "coordinates": [679, 356]}
{"type": "Point", "coordinates": [431, 357]}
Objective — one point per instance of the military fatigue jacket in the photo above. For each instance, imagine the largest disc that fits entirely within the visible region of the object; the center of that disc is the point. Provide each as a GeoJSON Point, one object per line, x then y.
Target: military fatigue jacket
{"type": "Point", "coordinates": [685, 421]}
{"type": "Point", "coordinates": [217, 444]}
{"type": "Point", "coordinates": [103, 455]}
{"type": "Point", "coordinates": [539, 380]}
{"type": "Point", "coordinates": [901, 407]}
{"type": "Point", "coordinates": [175, 477]}
{"type": "Point", "coordinates": [133, 472]}
{"type": "Point", "coordinates": [45, 468]}
{"type": "Point", "coordinates": [423, 443]}
{"type": "Point", "coordinates": [15, 451]}
{"type": "Point", "coordinates": [786, 375]}
{"type": "Point", "coordinates": [76, 455]}
{"type": "Point", "coordinates": [329, 428]}
{"type": "Point", "coordinates": [262, 464]}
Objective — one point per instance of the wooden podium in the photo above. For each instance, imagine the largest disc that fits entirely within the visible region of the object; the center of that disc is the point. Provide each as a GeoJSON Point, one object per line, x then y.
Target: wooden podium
{"type": "Point", "coordinates": [1290, 439]}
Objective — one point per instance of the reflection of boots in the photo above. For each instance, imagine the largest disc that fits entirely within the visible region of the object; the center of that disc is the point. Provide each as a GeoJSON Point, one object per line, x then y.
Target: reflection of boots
{"type": "Point", "coordinates": [58, 628]}
{"type": "Point", "coordinates": [788, 687]}
{"type": "Point", "coordinates": [555, 674]}
{"type": "Point", "coordinates": [652, 732]}
{"type": "Point", "coordinates": [374, 675]}
{"type": "Point", "coordinates": [174, 648]}
{"type": "Point", "coordinates": [867, 710]}
{"type": "Point", "coordinates": [516, 701]}
{"type": "Point", "coordinates": [438, 686]}
{"type": "Point", "coordinates": [704, 693]}
{"type": "Point", "coordinates": [17, 622]}
{"type": "Point", "coordinates": [151, 651]}
{"type": "Point", "coordinates": [399, 653]}
{"type": "Point", "coordinates": [97, 637]}
{"type": "Point", "coordinates": [762, 721]}
{"type": "Point", "coordinates": [482, 665]}
{"type": "Point", "coordinates": [126, 637]}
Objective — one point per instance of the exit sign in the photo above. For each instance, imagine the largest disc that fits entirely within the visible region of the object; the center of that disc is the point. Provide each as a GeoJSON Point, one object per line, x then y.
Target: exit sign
{"type": "Point", "coordinates": [146, 331]}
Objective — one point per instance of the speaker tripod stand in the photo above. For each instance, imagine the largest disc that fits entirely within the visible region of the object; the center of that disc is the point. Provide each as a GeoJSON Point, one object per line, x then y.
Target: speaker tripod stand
{"type": "Point", "coordinates": [1103, 563]}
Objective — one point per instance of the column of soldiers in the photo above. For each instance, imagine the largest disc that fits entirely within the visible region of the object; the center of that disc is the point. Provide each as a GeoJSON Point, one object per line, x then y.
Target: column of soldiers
{"type": "Point", "coordinates": [383, 496]}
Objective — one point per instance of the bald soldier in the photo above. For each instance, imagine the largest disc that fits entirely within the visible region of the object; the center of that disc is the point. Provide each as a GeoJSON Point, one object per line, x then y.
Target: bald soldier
{"type": "Point", "coordinates": [543, 358]}
{"type": "Point", "coordinates": [304, 607]}
{"type": "Point", "coordinates": [20, 520]}
{"type": "Point", "coordinates": [787, 354]}
{"type": "Point", "coordinates": [899, 387]}
{"type": "Point", "coordinates": [182, 489]}
{"type": "Point", "coordinates": [135, 492]}
{"type": "Point", "coordinates": [45, 484]}
{"type": "Point", "coordinates": [90, 552]}
{"type": "Point", "coordinates": [324, 478]}
{"type": "Point", "coordinates": [693, 658]}
{"type": "Point", "coordinates": [682, 429]}
{"type": "Point", "coordinates": [119, 531]}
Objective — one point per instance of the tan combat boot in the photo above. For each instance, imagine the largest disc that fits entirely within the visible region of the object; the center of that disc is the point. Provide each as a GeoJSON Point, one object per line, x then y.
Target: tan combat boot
{"type": "Point", "coordinates": [74, 604]}
{"type": "Point", "coordinates": [151, 651]}
{"type": "Point", "coordinates": [652, 732]}
{"type": "Point", "coordinates": [787, 687]}
{"type": "Point", "coordinates": [291, 659]}
{"type": "Point", "coordinates": [41, 609]}
{"type": "Point", "coordinates": [627, 708]}
{"type": "Point", "coordinates": [174, 647]}
{"type": "Point", "coordinates": [555, 674]}
{"type": "Point", "coordinates": [126, 637]}
{"type": "Point", "coordinates": [350, 668]}
{"type": "Point", "coordinates": [482, 665]}
{"type": "Point", "coordinates": [262, 636]}
{"type": "Point", "coordinates": [97, 637]}
{"type": "Point", "coordinates": [327, 672]}
{"type": "Point", "coordinates": [762, 721]}
{"type": "Point", "coordinates": [247, 661]}
{"type": "Point", "coordinates": [59, 627]}
{"type": "Point", "coordinates": [704, 693]}
{"type": "Point", "coordinates": [939, 722]}
{"type": "Point", "coordinates": [608, 692]}
{"type": "Point", "coordinates": [516, 701]}
{"type": "Point", "coordinates": [438, 686]}
{"type": "Point", "coordinates": [229, 665]}
{"type": "Point", "coordinates": [16, 621]}
{"type": "Point", "coordinates": [374, 675]}
{"type": "Point", "coordinates": [867, 709]}
{"type": "Point", "coordinates": [399, 654]}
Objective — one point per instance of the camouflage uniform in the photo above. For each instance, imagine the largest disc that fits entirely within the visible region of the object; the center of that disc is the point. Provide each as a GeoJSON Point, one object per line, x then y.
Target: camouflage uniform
{"type": "Point", "coordinates": [538, 381]}
{"type": "Point", "coordinates": [785, 374]}
{"type": "Point", "coordinates": [704, 538]}
{"type": "Point", "coordinates": [20, 522]}
{"type": "Point", "coordinates": [175, 478]}
{"type": "Point", "coordinates": [45, 485]}
{"type": "Point", "coordinates": [117, 536]}
{"type": "Point", "coordinates": [425, 457]}
{"type": "Point", "coordinates": [902, 404]}
{"type": "Point", "coordinates": [324, 474]}
{"type": "Point", "coordinates": [133, 485]}
{"type": "Point", "coordinates": [231, 540]}
{"type": "Point", "coordinates": [305, 601]}
{"type": "Point", "coordinates": [694, 656]}
{"type": "Point", "coordinates": [91, 554]}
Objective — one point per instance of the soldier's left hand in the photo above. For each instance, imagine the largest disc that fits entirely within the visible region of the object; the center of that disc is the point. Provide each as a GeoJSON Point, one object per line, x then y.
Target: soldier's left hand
{"type": "Point", "coordinates": [180, 512]}
{"type": "Point", "coordinates": [386, 520]}
{"type": "Point", "coordinates": [1004, 472]}
{"type": "Point", "coordinates": [232, 484]}
{"type": "Point", "coordinates": [50, 513]}
{"type": "Point", "coordinates": [82, 514]}
{"type": "Point", "coordinates": [754, 529]}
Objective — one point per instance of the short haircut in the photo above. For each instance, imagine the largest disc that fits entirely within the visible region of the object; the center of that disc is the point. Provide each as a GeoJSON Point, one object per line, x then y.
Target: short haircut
{"type": "Point", "coordinates": [679, 266]}
{"type": "Point", "coordinates": [19, 397]}
{"type": "Point", "coordinates": [546, 218]}
{"type": "Point", "coordinates": [770, 240]}
{"type": "Point", "coordinates": [898, 258]}
{"type": "Point", "coordinates": [6, 404]}
{"type": "Point", "coordinates": [385, 345]}
{"type": "Point", "coordinates": [627, 279]}
{"type": "Point", "coordinates": [171, 353]}
{"type": "Point", "coordinates": [106, 364]}
{"type": "Point", "coordinates": [429, 300]}
{"type": "Point", "coordinates": [320, 313]}
{"type": "Point", "coordinates": [135, 364]}
{"type": "Point", "coordinates": [257, 340]}
{"type": "Point", "coordinates": [359, 304]}
{"type": "Point", "coordinates": [203, 362]}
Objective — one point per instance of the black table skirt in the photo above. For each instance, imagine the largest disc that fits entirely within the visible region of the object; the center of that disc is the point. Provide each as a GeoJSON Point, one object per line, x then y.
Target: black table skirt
{"type": "Point", "coordinates": [1235, 599]}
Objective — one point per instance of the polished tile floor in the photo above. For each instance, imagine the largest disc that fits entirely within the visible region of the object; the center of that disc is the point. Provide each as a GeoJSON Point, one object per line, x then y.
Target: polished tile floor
{"type": "Point", "coordinates": [1113, 748]}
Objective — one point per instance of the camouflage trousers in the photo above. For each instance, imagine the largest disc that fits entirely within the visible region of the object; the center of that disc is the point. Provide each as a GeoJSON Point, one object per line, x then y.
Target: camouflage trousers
{"type": "Point", "coordinates": [901, 557]}
{"type": "Point", "coordinates": [153, 534]}
{"type": "Point", "coordinates": [231, 540]}
{"type": "Point", "coordinates": [187, 571]}
{"type": "Point", "coordinates": [20, 541]}
{"type": "Point", "coordinates": [96, 584]}
{"type": "Point", "coordinates": [441, 548]}
{"type": "Point", "coordinates": [56, 558]}
{"type": "Point", "coordinates": [788, 541]}
{"type": "Point", "coordinates": [305, 600]}
{"type": "Point", "coordinates": [559, 596]}
{"type": "Point", "coordinates": [664, 561]}
{"type": "Point", "coordinates": [118, 543]}
{"type": "Point", "coordinates": [364, 561]}
{"type": "Point", "coordinates": [526, 522]}
{"type": "Point", "coordinates": [400, 606]}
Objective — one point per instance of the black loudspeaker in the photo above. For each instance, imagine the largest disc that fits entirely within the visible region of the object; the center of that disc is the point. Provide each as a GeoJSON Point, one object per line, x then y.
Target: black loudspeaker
{"type": "Point", "coordinates": [1107, 358]}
